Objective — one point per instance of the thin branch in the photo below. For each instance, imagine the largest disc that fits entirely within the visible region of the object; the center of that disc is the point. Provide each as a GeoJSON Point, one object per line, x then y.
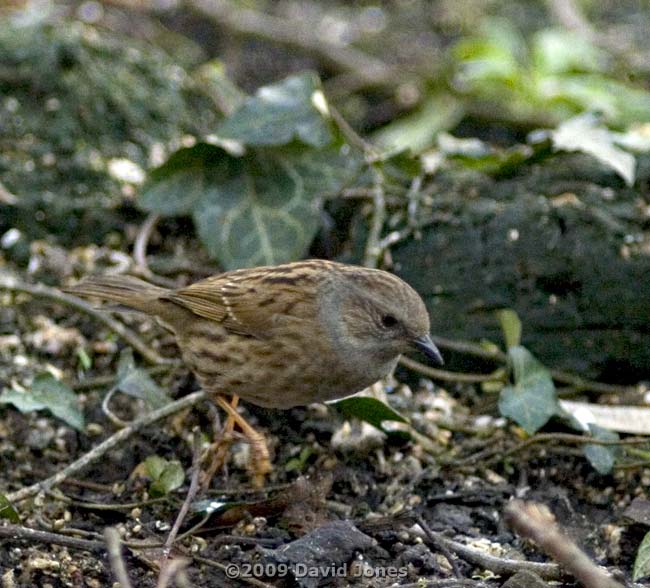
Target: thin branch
{"type": "Point", "coordinates": [191, 493]}
{"type": "Point", "coordinates": [498, 565]}
{"type": "Point", "coordinates": [13, 284]}
{"type": "Point", "coordinates": [444, 375]}
{"type": "Point", "coordinates": [535, 522]}
{"type": "Point", "coordinates": [224, 568]}
{"type": "Point", "coordinates": [114, 440]}
{"type": "Point", "coordinates": [114, 548]}
{"type": "Point", "coordinates": [296, 34]}
{"type": "Point", "coordinates": [495, 354]}
{"type": "Point", "coordinates": [104, 381]}
{"type": "Point", "coordinates": [373, 250]}
{"type": "Point", "coordinates": [20, 533]}
{"type": "Point", "coordinates": [486, 456]}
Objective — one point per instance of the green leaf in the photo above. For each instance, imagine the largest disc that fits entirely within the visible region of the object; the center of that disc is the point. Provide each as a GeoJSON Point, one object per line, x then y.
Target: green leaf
{"type": "Point", "coordinates": [268, 211]}
{"type": "Point", "coordinates": [368, 409]}
{"type": "Point", "coordinates": [281, 113]}
{"type": "Point", "coordinates": [7, 511]}
{"type": "Point", "coordinates": [298, 463]}
{"type": "Point", "coordinates": [138, 383]}
{"type": "Point", "coordinates": [601, 457]}
{"type": "Point", "coordinates": [47, 393]}
{"type": "Point", "coordinates": [166, 476]}
{"type": "Point", "coordinates": [263, 208]}
{"type": "Point", "coordinates": [557, 51]}
{"type": "Point", "coordinates": [642, 561]}
{"type": "Point", "coordinates": [584, 133]}
{"type": "Point", "coordinates": [532, 401]}
{"type": "Point", "coordinates": [175, 187]}
{"type": "Point", "coordinates": [417, 131]}
{"type": "Point", "coordinates": [511, 327]}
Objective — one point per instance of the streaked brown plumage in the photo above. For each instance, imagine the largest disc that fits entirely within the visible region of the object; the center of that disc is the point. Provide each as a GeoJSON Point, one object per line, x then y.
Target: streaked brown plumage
{"type": "Point", "coordinates": [287, 335]}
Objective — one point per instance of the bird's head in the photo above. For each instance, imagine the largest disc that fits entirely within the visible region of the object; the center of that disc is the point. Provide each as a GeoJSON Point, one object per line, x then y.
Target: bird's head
{"type": "Point", "coordinates": [376, 313]}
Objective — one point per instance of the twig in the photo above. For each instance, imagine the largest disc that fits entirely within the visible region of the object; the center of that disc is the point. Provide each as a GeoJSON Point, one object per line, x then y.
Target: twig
{"type": "Point", "coordinates": [13, 284]}
{"type": "Point", "coordinates": [534, 521]}
{"type": "Point", "coordinates": [439, 545]}
{"type": "Point", "coordinates": [444, 375]}
{"type": "Point", "coordinates": [570, 16]}
{"type": "Point", "coordinates": [20, 533]}
{"type": "Point", "coordinates": [141, 241]}
{"type": "Point", "coordinates": [484, 455]}
{"type": "Point", "coordinates": [223, 568]}
{"type": "Point", "coordinates": [114, 548]}
{"type": "Point", "coordinates": [498, 565]}
{"type": "Point", "coordinates": [191, 493]}
{"type": "Point", "coordinates": [495, 354]}
{"type": "Point", "coordinates": [101, 449]}
{"type": "Point", "coordinates": [174, 569]}
{"type": "Point", "coordinates": [295, 34]}
{"type": "Point", "coordinates": [103, 381]}
{"type": "Point", "coordinates": [373, 250]}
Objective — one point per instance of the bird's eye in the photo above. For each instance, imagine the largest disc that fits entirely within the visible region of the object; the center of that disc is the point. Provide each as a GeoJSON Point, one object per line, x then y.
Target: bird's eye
{"type": "Point", "coordinates": [388, 320]}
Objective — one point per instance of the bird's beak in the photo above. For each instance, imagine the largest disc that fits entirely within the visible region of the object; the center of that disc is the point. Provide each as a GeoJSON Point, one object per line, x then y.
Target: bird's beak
{"type": "Point", "coordinates": [425, 345]}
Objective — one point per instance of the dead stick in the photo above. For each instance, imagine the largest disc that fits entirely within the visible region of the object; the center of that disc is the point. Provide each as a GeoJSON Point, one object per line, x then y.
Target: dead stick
{"type": "Point", "coordinates": [534, 521]}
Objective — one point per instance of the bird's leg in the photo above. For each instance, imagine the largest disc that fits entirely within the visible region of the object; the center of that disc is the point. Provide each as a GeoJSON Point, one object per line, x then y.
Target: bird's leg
{"type": "Point", "coordinates": [218, 451]}
{"type": "Point", "coordinates": [260, 464]}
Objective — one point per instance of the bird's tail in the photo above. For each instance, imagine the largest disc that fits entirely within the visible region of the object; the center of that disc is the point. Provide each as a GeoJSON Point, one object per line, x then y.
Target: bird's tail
{"type": "Point", "coordinates": [124, 290]}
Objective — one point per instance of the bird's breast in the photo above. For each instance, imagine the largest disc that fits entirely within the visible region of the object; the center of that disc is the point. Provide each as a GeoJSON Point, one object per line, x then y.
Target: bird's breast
{"type": "Point", "coordinates": [291, 368]}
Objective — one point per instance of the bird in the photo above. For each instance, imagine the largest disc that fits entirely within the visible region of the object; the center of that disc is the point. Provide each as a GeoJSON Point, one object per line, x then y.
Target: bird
{"type": "Point", "coordinates": [281, 336]}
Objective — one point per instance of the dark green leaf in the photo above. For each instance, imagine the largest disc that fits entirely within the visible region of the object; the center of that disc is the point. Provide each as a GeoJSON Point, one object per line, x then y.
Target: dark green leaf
{"type": "Point", "coordinates": [368, 409]}
{"type": "Point", "coordinates": [601, 457]}
{"type": "Point", "coordinates": [268, 212]}
{"type": "Point", "coordinates": [49, 394]}
{"type": "Point", "coordinates": [642, 561]}
{"type": "Point", "coordinates": [138, 383]}
{"type": "Point", "coordinates": [532, 401]}
{"type": "Point", "coordinates": [511, 327]}
{"type": "Point", "coordinates": [281, 113]}
{"type": "Point", "coordinates": [181, 182]}
{"type": "Point", "coordinates": [7, 511]}
{"type": "Point", "coordinates": [260, 209]}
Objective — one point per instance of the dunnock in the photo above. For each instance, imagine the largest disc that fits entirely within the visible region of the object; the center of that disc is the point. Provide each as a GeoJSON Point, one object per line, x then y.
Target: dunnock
{"type": "Point", "coordinates": [282, 336]}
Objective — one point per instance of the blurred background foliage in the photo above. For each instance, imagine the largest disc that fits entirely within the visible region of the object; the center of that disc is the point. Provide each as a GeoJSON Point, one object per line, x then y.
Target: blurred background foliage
{"type": "Point", "coordinates": [508, 164]}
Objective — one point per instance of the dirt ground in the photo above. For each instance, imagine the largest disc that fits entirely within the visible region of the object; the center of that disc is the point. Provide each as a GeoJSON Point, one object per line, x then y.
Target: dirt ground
{"type": "Point", "coordinates": [345, 505]}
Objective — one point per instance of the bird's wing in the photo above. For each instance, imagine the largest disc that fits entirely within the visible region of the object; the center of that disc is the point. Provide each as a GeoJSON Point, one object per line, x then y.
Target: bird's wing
{"type": "Point", "coordinates": [245, 305]}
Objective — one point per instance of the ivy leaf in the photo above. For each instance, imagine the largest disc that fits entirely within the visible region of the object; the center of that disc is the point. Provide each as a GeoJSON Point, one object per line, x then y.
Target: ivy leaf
{"type": "Point", "coordinates": [7, 510]}
{"type": "Point", "coordinates": [532, 401]}
{"type": "Point", "coordinates": [175, 187]}
{"type": "Point", "coordinates": [370, 410]}
{"type": "Point", "coordinates": [138, 383]}
{"type": "Point", "coordinates": [601, 457]}
{"type": "Point", "coordinates": [293, 109]}
{"type": "Point", "coordinates": [642, 561]}
{"type": "Point", "coordinates": [47, 393]}
{"type": "Point", "coordinates": [260, 209]}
